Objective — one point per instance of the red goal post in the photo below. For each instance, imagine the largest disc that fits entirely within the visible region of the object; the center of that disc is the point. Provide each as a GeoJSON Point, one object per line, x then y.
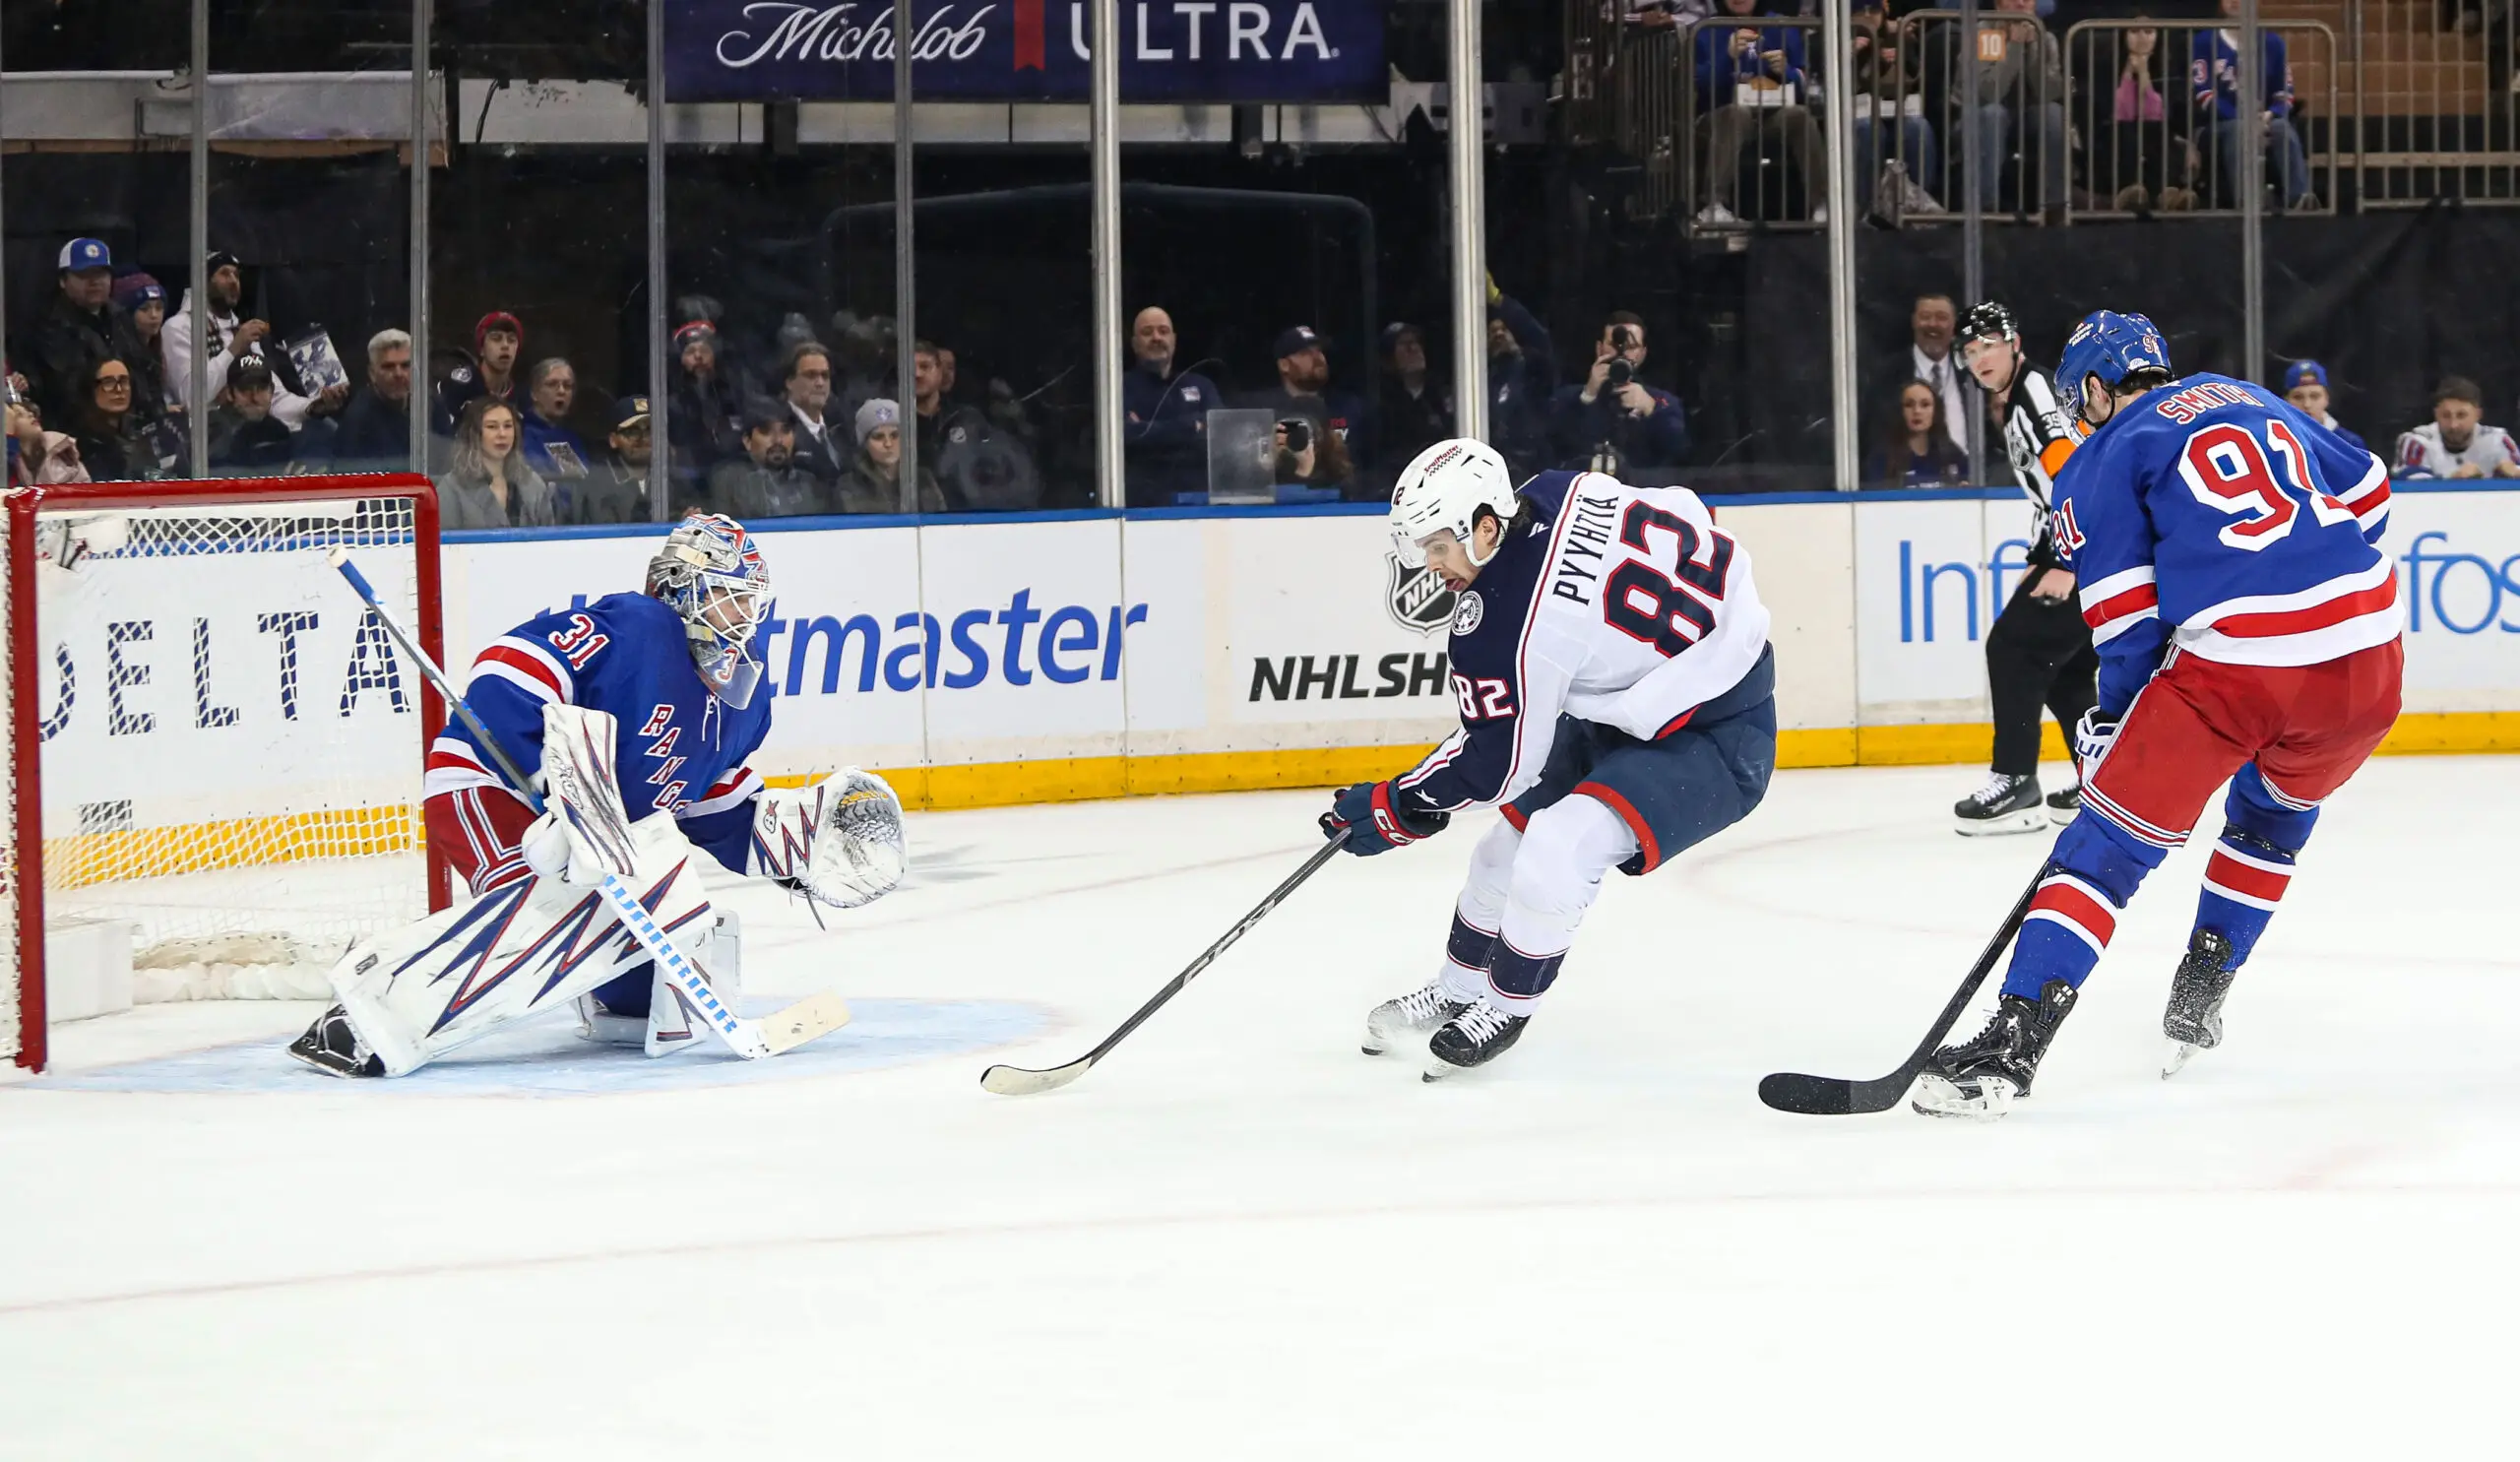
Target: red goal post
{"type": "Point", "coordinates": [212, 748]}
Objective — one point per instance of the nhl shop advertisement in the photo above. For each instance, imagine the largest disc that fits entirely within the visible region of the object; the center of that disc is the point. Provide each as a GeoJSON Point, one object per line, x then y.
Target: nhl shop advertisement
{"type": "Point", "coordinates": [1025, 50]}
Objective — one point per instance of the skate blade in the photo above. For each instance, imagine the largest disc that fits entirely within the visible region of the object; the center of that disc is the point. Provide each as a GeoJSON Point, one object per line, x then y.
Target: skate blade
{"type": "Point", "coordinates": [2177, 1056]}
{"type": "Point", "coordinates": [2064, 816]}
{"type": "Point", "coordinates": [2027, 820]}
{"type": "Point", "coordinates": [1938, 1096]}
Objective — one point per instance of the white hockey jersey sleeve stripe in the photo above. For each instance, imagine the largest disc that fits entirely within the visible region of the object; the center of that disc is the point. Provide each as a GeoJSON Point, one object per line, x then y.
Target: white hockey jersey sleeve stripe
{"type": "Point", "coordinates": [532, 660]}
{"type": "Point", "coordinates": [2099, 590]}
{"type": "Point", "coordinates": [729, 793]}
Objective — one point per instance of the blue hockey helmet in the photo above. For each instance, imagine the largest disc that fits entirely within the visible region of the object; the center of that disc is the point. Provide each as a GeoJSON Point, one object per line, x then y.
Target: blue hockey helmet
{"type": "Point", "coordinates": [2112, 346]}
{"type": "Point", "coordinates": [711, 571]}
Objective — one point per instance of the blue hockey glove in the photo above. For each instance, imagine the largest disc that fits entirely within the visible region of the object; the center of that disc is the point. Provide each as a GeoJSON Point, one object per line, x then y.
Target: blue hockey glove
{"type": "Point", "coordinates": [1374, 822]}
{"type": "Point", "coordinates": [2092, 737]}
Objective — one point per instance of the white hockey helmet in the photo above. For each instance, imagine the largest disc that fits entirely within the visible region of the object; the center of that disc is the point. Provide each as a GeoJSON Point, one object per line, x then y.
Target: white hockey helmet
{"type": "Point", "coordinates": [1443, 489]}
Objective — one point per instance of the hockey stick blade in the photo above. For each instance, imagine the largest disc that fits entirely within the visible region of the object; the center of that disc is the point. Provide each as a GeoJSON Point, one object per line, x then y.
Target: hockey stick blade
{"type": "Point", "coordinates": [1016, 1081]}
{"type": "Point", "coordinates": [809, 1019]}
{"type": "Point", "coordinates": [1839, 1096]}
{"type": "Point", "coordinates": [1019, 1081]}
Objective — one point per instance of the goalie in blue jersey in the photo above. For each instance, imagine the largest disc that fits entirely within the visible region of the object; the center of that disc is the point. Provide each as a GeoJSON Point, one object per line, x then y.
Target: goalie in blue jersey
{"type": "Point", "coordinates": [673, 667]}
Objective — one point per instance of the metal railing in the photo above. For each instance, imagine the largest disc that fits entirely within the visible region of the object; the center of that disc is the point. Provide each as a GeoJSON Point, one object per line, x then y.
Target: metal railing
{"type": "Point", "coordinates": [2154, 112]}
{"type": "Point", "coordinates": [2103, 121]}
{"type": "Point", "coordinates": [1737, 121]}
{"type": "Point", "coordinates": [2433, 101]}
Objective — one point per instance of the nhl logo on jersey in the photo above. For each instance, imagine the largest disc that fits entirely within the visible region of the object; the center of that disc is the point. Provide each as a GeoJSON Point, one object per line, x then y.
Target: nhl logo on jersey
{"type": "Point", "coordinates": [1417, 598]}
{"type": "Point", "coordinates": [1466, 618]}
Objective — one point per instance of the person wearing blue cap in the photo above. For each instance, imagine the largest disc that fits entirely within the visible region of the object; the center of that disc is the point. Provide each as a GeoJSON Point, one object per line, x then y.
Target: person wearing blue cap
{"type": "Point", "coordinates": [2306, 386]}
{"type": "Point", "coordinates": [78, 330]}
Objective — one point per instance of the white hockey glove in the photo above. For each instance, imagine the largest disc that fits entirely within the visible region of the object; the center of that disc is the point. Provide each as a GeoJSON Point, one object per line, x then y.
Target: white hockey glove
{"type": "Point", "coordinates": [2092, 737]}
{"type": "Point", "coordinates": [550, 849]}
{"type": "Point", "coordinates": [838, 841]}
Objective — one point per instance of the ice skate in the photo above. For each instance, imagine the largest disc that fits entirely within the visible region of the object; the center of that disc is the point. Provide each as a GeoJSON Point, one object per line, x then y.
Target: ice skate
{"type": "Point", "coordinates": [1477, 1035]}
{"type": "Point", "coordinates": [2005, 804]}
{"type": "Point", "coordinates": [1983, 1076]}
{"type": "Point", "coordinates": [2066, 804]}
{"type": "Point", "coordinates": [1410, 1017]}
{"type": "Point", "coordinates": [331, 1045]}
{"type": "Point", "coordinates": [2193, 1019]}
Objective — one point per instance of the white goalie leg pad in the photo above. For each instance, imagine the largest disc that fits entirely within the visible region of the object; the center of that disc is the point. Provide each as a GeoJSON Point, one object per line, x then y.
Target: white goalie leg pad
{"type": "Point", "coordinates": [515, 953]}
{"type": "Point", "coordinates": [671, 1024]}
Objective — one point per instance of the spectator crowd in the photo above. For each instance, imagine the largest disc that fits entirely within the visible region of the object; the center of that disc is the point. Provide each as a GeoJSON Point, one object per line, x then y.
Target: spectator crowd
{"type": "Point", "coordinates": [2131, 121]}
{"type": "Point", "coordinates": [102, 386]}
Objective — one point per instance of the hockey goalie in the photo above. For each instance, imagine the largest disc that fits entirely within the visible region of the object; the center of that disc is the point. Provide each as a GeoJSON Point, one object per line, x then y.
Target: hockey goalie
{"type": "Point", "coordinates": [635, 717]}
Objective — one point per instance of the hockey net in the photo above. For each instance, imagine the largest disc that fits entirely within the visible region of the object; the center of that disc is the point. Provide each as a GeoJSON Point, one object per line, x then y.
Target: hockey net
{"type": "Point", "coordinates": [212, 741]}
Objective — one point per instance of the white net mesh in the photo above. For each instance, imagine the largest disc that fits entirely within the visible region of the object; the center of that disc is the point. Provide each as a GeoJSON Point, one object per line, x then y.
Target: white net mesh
{"type": "Point", "coordinates": [232, 757]}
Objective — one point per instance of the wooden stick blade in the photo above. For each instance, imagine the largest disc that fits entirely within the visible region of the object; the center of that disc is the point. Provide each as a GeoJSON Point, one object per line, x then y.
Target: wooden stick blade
{"type": "Point", "coordinates": [1016, 1081]}
{"type": "Point", "coordinates": [809, 1019]}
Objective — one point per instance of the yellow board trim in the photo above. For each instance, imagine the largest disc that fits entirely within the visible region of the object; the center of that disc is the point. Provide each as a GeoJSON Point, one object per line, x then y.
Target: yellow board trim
{"type": "Point", "coordinates": [1089, 778]}
{"type": "Point", "coordinates": [79, 859]}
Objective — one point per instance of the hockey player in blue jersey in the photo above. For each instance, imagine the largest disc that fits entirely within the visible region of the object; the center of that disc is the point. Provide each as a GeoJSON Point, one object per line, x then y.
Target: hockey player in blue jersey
{"type": "Point", "coordinates": [674, 667]}
{"type": "Point", "coordinates": [2223, 548]}
{"type": "Point", "coordinates": [1610, 662]}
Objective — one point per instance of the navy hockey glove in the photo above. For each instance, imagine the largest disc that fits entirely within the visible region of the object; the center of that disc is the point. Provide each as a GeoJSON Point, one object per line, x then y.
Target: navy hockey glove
{"type": "Point", "coordinates": [2092, 737]}
{"type": "Point", "coordinates": [1374, 822]}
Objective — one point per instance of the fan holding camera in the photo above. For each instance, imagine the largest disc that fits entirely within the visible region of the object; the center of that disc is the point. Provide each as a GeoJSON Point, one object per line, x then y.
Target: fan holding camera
{"type": "Point", "coordinates": [1615, 420]}
{"type": "Point", "coordinates": [1322, 432]}
{"type": "Point", "coordinates": [1309, 456]}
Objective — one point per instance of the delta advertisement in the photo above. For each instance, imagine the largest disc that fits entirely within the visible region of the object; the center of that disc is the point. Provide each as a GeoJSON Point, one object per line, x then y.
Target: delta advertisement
{"type": "Point", "coordinates": [1086, 637]}
{"type": "Point", "coordinates": [227, 675]}
{"type": "Point", "coordinates": [1026, 50]}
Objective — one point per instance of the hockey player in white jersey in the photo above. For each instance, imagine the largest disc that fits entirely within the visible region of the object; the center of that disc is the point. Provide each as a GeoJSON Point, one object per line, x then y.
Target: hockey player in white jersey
{"type": "Point", "coordinates": [1610, 662]}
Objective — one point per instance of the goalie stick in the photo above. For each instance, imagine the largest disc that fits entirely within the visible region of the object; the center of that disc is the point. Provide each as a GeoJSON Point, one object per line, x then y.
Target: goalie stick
{"type": "Point", "coordinates": [1839, 1096]}
{"type": "Point", "coordinates": [783, 1031]}
{"type": "Point", "coordinates": [1019, 1081]}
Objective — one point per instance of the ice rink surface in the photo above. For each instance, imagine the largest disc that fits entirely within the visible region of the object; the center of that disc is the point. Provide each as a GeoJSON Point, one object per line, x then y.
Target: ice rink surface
{"type": "Point", "coordinates": [1241, 1239]}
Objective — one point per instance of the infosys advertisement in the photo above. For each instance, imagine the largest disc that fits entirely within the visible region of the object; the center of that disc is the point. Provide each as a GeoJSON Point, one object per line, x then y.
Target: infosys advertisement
{"type": "Point", "coordinates": [1025, 50]}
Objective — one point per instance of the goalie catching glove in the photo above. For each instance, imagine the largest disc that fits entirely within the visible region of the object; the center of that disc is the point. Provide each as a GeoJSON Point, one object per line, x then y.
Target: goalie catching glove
{"type": "Point", "coordinates": [838, 841]}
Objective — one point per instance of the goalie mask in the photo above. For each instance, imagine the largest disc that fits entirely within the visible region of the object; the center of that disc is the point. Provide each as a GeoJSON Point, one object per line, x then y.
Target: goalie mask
{"type": "Point", "coordinates": [711, 572]}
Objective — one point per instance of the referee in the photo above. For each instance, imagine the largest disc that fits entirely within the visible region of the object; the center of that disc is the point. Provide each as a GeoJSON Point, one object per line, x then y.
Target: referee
{"type": "Point", "coordinates": [2039, 652]}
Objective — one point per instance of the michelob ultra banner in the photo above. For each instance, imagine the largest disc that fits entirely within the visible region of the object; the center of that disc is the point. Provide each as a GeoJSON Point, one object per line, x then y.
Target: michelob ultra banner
{"type": "Point", "coordinates": [1025, 50]}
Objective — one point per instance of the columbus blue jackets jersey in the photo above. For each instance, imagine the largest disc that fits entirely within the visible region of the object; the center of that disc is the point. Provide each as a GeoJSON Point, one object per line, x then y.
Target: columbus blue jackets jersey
{"type": "Point", "coordinates": [681, 749]}
{"type": "Point", "coordinates": [2212, 514]}
{"type": "Point", "coordinates": [1625, 606]}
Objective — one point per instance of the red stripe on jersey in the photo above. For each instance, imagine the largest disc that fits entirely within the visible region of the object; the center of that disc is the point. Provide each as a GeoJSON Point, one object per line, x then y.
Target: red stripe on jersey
{"type": "Point", "coordinates": [2059, 897]}
{"type": "Point", "coordinates": [2368, 498]}
{"type": "Point", "coordinates": [515, 658]}
{"type": "Point", "coordinates": [2239, 878]}
{"type": "Point", "coordinates": [2337, 611]}
{"type": "Point", "coordinates": [453, 760]}
{"type": "Point", "coordinates": [1515, 816]}
{"type": "Point", "coordinates": [1627, 813]}
{"type": "Point", "coordinates": [1675, 723]}
{"type": "Point", "coordinates": [2118, 605]}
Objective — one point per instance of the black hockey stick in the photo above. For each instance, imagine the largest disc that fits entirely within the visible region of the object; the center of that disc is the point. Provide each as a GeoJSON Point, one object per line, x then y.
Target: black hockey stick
{"type": "Point", "coordinates": [1018, 1081]}
{"type": "Point", "coordinates": [1837, 1096]}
